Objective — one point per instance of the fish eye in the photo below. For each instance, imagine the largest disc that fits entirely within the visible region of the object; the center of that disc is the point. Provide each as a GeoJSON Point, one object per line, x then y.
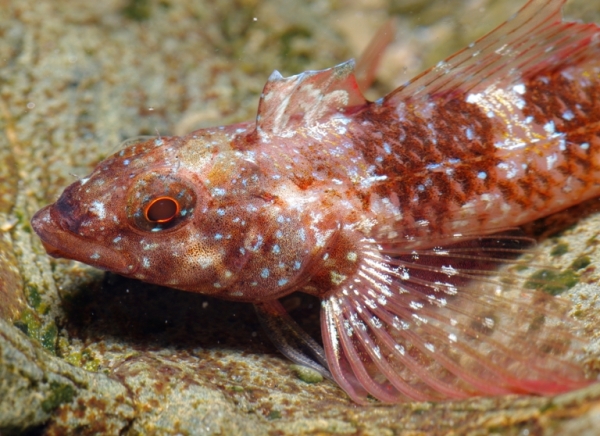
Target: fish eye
{"type": "Point", "coordinates": [159, 202]}
{"type": "Point", "coordinates": [162, 210]}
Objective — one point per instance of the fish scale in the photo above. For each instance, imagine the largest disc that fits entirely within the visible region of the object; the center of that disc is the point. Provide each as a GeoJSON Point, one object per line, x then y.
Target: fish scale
{"type": "Point", "coordinates": [398, 214]}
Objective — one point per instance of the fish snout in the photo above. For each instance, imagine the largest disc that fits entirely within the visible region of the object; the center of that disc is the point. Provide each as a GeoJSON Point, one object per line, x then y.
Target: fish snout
{"type": "Point", "coordinates": [54, 229]}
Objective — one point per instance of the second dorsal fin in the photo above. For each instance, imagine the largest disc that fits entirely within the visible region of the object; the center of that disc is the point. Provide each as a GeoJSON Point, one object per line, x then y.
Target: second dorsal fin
{"type": "Point", "coordinates": [533, 40]}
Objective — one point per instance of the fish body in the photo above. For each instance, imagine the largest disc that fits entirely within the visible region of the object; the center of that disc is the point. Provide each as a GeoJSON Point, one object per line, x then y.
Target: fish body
{"type": "Point", "coordinates": [391, 212]}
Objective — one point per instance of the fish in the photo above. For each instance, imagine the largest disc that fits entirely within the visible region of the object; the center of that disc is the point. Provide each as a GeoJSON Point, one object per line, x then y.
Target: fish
{"type": "Point", "coordinates": [399, 214]}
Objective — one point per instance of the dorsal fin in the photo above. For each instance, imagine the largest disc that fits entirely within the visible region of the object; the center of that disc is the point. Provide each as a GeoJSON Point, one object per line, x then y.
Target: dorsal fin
{"type": "Point", "coordinates": [369, 60]}
{"type": "Point", "coordinates": [532, 40]}
{"type": "Point", "coordinates": [307, 99]}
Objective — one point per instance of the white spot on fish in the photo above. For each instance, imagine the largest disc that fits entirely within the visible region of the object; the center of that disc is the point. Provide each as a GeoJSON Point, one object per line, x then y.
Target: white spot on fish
{"type": "Point", "coordinates": [473, 98]}
{"type": "Point", "coordinates": [549, 127]}
{"type": "Point", "coordinates": [551, 160]}
{"type": "Point", "coordinates": [519, 88]}
{"type": "Point", "coordinates": [98, 209]}
{"type": "Point", "coordinates": [511, 170]}
{"type": "Point", "coordinates": [302, 235]}
{"type": "Point", "coordinates": [258, 244]}
{"type": "Point", "coordinates": [520, 103]}
{"type": "Point", "coordinates": [415, 305]}
{"type": "Point", "coordinates": [562, 144]}
{"type": "Point", "coordinates": [368, 181]}
{"type": "Point", "coordinates": [449, 270]}
{"type": "Point", "coordinates": [205, 262]}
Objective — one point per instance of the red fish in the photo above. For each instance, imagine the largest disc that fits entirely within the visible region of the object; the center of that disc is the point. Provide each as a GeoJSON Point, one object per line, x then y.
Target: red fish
{"type": "Point", "coordinates": [394, 213]}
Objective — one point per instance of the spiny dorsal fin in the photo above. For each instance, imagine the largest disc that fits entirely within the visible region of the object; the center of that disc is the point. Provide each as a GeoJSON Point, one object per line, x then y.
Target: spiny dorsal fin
{"type": "Point", "coordinates": [532, 40]}
{"type": "Point", "coordinates": [369, 60]}
{"type": "Point", "coordinates": [307, 99]}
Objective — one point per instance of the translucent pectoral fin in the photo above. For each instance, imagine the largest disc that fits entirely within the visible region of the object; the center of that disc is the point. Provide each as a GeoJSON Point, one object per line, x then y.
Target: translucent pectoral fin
{"type": "Point", "coordinates": [437, 324]}
{"type": "Point", "coordinates": [289, 338]}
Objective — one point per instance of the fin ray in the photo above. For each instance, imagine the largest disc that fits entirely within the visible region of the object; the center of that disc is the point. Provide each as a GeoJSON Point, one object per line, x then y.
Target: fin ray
{"type": "Point", "coordinates": [289, 338]}
{"type": "Point", "coordinates": [413, 331]}
{"type": "Point", "coordinates": [534, 39]}
{"type": "Point", "coordinates": [367, 63]}
{"type": "Point", "coordinates": [307, 99]}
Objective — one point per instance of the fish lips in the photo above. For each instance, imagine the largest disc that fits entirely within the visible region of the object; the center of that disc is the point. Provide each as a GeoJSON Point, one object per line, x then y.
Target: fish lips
{"type": "Point", "coordinates": [60, 242]}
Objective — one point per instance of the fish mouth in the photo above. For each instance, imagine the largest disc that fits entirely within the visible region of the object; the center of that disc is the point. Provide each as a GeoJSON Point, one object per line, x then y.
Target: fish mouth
{"type": "Point", "coordinates": [60, 242]}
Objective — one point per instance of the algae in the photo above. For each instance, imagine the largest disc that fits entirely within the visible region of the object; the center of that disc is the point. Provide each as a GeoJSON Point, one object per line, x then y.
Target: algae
{"type": "Point", "coordinates": [551, 281]}
{"type": "Point", "coordinates": [559, 249]}
{"type": "Point", "coordinates": [59, 394]}
{"type": "Point", "coordinates": [581, 262]}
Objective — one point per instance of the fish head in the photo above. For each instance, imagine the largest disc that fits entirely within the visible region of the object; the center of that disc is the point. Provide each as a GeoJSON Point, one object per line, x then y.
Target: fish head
{"type": "Point", "coordinates": [95, 219]}
{"type": "Point", "coordinates": [191, 213]}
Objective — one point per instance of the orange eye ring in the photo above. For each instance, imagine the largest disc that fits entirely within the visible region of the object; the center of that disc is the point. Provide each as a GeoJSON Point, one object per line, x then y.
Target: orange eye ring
{"type": "Point", "coordinates": [162, 210]}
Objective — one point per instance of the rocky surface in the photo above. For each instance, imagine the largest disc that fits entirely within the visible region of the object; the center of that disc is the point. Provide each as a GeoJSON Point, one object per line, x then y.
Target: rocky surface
{"type": "Point", "coordinates": [88, 353]}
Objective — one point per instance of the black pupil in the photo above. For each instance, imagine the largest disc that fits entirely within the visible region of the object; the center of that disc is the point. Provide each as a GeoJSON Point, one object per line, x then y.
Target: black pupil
{"type": "Point", "coordinates": [162, 210]}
